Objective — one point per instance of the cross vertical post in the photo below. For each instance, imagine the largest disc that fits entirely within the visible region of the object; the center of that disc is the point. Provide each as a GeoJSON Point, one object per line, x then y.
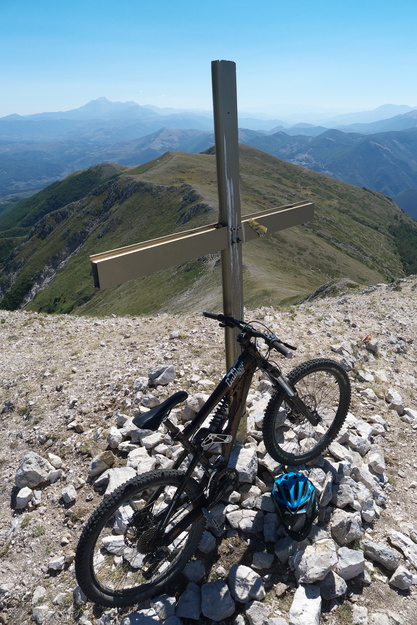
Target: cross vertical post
{"type": "Point", "coordinates": [227, 160]}
{"type": "Point", "coordinates": [120, 265]}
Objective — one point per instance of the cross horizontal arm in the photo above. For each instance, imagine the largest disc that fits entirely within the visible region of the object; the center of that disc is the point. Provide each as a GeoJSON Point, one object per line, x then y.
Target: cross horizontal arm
{"type": "Point", "coordinates": [141, 259]}
{"type": "Point", "coordinates": [276, 219]}
{"type": "Point", "coordinates": [133, 261]}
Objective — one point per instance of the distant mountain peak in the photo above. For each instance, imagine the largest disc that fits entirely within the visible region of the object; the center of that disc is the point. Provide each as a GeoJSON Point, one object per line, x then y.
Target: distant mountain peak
{"type": "Point", "coordinates": [104, 108]}
{"type": "Point", "coordinates": [385, 111]}
{"type": "Point", "coordinates": [11, 117]}
{"type": "Point", "coordinates": [105, 104]}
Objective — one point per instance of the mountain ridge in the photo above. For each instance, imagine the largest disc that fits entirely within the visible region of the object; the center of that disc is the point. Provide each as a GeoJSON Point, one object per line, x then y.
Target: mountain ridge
{"type": "Point", "coordinates": [102, 105]}
{"type": "Point", "coordinates": [35, 151]}
{"type": "Point", "coordinates": [386, 162]}
{"type": "Point", "coordinates": [357, 234]}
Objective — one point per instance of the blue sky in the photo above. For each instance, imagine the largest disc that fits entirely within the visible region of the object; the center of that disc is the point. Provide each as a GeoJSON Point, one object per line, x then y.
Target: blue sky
{"type": "Point", "coordinates": [291, 55]}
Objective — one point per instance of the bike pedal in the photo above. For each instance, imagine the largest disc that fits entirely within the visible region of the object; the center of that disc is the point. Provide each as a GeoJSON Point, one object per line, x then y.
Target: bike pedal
{"type": "Point", "coordinates": [211, 521]}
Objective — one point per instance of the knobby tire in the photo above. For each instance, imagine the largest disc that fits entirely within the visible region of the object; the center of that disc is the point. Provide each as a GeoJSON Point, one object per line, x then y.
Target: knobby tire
{"type": "Point", "coordinates": [121, 559]}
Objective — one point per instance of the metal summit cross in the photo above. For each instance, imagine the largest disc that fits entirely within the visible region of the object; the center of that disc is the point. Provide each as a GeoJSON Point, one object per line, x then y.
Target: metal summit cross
{"type": "Point", "coordinates": [126, 263]}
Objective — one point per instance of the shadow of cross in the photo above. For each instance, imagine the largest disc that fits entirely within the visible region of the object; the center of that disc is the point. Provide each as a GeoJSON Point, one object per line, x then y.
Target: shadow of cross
{"type": "Point", "coordinates": [121, 265]}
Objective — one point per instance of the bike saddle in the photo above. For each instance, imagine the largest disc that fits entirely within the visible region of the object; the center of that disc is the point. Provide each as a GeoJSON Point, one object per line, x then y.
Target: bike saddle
{"type": "Point", "coordinates": [152, 419]}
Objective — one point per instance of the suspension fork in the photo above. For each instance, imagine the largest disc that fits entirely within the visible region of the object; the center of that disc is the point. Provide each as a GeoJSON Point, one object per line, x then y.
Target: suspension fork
{"type": "Point", "coordinates": [293, 398]}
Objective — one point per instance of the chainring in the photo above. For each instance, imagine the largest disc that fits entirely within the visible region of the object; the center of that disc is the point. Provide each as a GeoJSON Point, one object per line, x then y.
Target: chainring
{"type": "Point", "coordinates": [222, 484]}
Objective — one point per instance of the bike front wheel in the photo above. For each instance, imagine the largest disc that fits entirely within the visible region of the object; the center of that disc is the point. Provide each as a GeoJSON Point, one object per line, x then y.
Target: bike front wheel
{"type": "Point", "coordinates": [324, 387]}
{"type": "Point", "coordinates": [134, 544]}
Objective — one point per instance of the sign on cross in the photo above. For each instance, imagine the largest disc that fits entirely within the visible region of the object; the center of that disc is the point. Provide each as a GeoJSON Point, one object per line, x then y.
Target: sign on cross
{"type": "Point", "coordinates": [126, 263]}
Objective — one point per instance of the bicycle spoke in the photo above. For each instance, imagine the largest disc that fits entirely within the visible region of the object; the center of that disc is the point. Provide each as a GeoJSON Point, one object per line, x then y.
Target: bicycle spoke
{"type": "Point", "coordinates": [323, 387]}
{"type": "Point", "coordinates": [129, 549]}
{"type": "Point", "coordinates": [322, 396]}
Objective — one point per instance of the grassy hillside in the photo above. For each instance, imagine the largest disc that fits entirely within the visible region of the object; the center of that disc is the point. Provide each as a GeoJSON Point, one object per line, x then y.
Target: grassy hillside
{"type": "Point", "coordinates": [17, 222]}
{"type": "Point", "coordinates": [357, 234]}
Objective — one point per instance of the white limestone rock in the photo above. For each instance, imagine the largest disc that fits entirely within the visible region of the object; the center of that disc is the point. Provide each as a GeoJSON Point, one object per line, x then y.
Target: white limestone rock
{"type": "Point", "coordinates": [351, 563]}
{"type": "Point", "coordinates": [327, 491]}
{"type": "Point", "coordinates": [38, 595]}
{"type": "Point", "coordinates": [216, 601]}
{"type": "Point", "coordinates": [207, 543]}
{"type": "Point", "coordinates": [359, 615]}
{"type": "Point", "coordinates": [42, 614]}
{"type": "Point", "coordinates": [346, 526]}
{"type": "Point", "coordinates": [250, 521]}
{"type": "Point", "coordinates": [164, 606]}
{"type": "Point", "coordinates": [343, 495]}
{"type": "Point", "coordinates": [119, 476]}
{"type": "Point", "coordinates": [306, 606]}
{"type": "Point", "coordinates": [401, 578]}
{"type": "Point", "coordinates": [114, 544]}
{"type": "Point", "coordinates": [194, 571]}
{"type": "Point", "coordinates": [375, 459]}
{"type": "Point", "coordinates": [395, 401]}
{"type": "Point", "coordinates": [189, 603]}
{"type": "Point", "coordinates": [245, 461]}
{"type": "Point", "coordinates": [405, 544]}
{"type": "Point", "coordinates": [23, 497]}
{"type": "Point", "coordinates": [332, 586]}
{"type": "Point", "coordinates": [55, 460]}
{"type": "Point", "coordinates": [363, 475]}
{"type": "Point", "coordinates": [57, 564]}
{"type": "Point", "coordinates": [315, 562]}
{"type": "Point", "coordinates": [69, 494]}
{"type": "Point", "coordinates": [139, 460]}
{"type": "Point", "coordinates": [192, 405]}
{"type": "Point", "coordinates": [245, 584]}
{"type": "Point", "coordinates": [162, 375]}
{"type": "Point", "coordinates": [262, 560]}
{"type": "Point", "coordinates": [381, 553]}
{"type": "Point", "coordinates": [114, 437]}
{"type": "Point", "coordinates": [258, 613]}
{"type": "Point", "coordinates": [101, 463]}
{"type": "Point", "coordinates": [32, 471]}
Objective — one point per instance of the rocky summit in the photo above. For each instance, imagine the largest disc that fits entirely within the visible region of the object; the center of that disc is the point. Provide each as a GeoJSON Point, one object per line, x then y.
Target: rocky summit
{"type": "Point", "coordinates": [70, 388]}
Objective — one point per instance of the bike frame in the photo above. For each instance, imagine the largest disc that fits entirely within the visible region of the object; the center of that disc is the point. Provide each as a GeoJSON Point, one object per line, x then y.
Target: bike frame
{"type": "Point", "coordinates": [236, 384]}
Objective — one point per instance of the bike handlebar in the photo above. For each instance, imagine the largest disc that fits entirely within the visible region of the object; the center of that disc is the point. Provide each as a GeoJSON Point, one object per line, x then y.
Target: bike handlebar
{"type": "Point", "coordinates": [271, 340]}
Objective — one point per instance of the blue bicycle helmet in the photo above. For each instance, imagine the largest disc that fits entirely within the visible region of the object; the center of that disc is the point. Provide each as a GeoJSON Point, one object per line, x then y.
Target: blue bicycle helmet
{"type": "Point", "coordinates": [295, 497]}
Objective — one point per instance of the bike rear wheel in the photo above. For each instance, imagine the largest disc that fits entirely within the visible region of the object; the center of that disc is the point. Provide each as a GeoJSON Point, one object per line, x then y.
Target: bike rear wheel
{"type": "Point", "coordinates": [123, 557]}
{"type": "Point", "coordinates": [324, 387]}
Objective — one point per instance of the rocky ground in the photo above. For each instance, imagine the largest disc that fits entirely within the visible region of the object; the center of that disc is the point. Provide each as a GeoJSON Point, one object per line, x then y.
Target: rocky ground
{"type": "Point", "coordinates": [69, 387]}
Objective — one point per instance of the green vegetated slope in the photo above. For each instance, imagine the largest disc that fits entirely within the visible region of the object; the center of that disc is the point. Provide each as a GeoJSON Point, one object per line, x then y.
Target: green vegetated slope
{"type": "Point", "coordinates": [28, 212]}
{"type": "Point", "coordinates": [17, 220]}
{"type": "Point", "coordinates": [356, 234]}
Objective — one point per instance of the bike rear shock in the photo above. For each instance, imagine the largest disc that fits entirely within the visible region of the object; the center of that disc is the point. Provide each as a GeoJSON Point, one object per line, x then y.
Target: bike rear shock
{"type": "Point", "coordinates": [220, 415]}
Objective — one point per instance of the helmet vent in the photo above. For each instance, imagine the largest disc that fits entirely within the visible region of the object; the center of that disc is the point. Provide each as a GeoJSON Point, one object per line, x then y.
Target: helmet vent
{"type": "Point", "coordinates": [295, 498]}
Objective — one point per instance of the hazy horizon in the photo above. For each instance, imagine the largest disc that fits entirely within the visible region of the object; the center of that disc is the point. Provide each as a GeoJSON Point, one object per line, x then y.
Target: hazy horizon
{"type": "Point", "coordinates": [291, 57]}
{"type": "Point", "coordinates": [290, 117]}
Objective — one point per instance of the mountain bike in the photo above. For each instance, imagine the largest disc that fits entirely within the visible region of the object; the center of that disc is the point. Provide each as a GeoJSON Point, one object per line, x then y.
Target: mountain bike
{"type": "Point", "coordinates": [142, 535]}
